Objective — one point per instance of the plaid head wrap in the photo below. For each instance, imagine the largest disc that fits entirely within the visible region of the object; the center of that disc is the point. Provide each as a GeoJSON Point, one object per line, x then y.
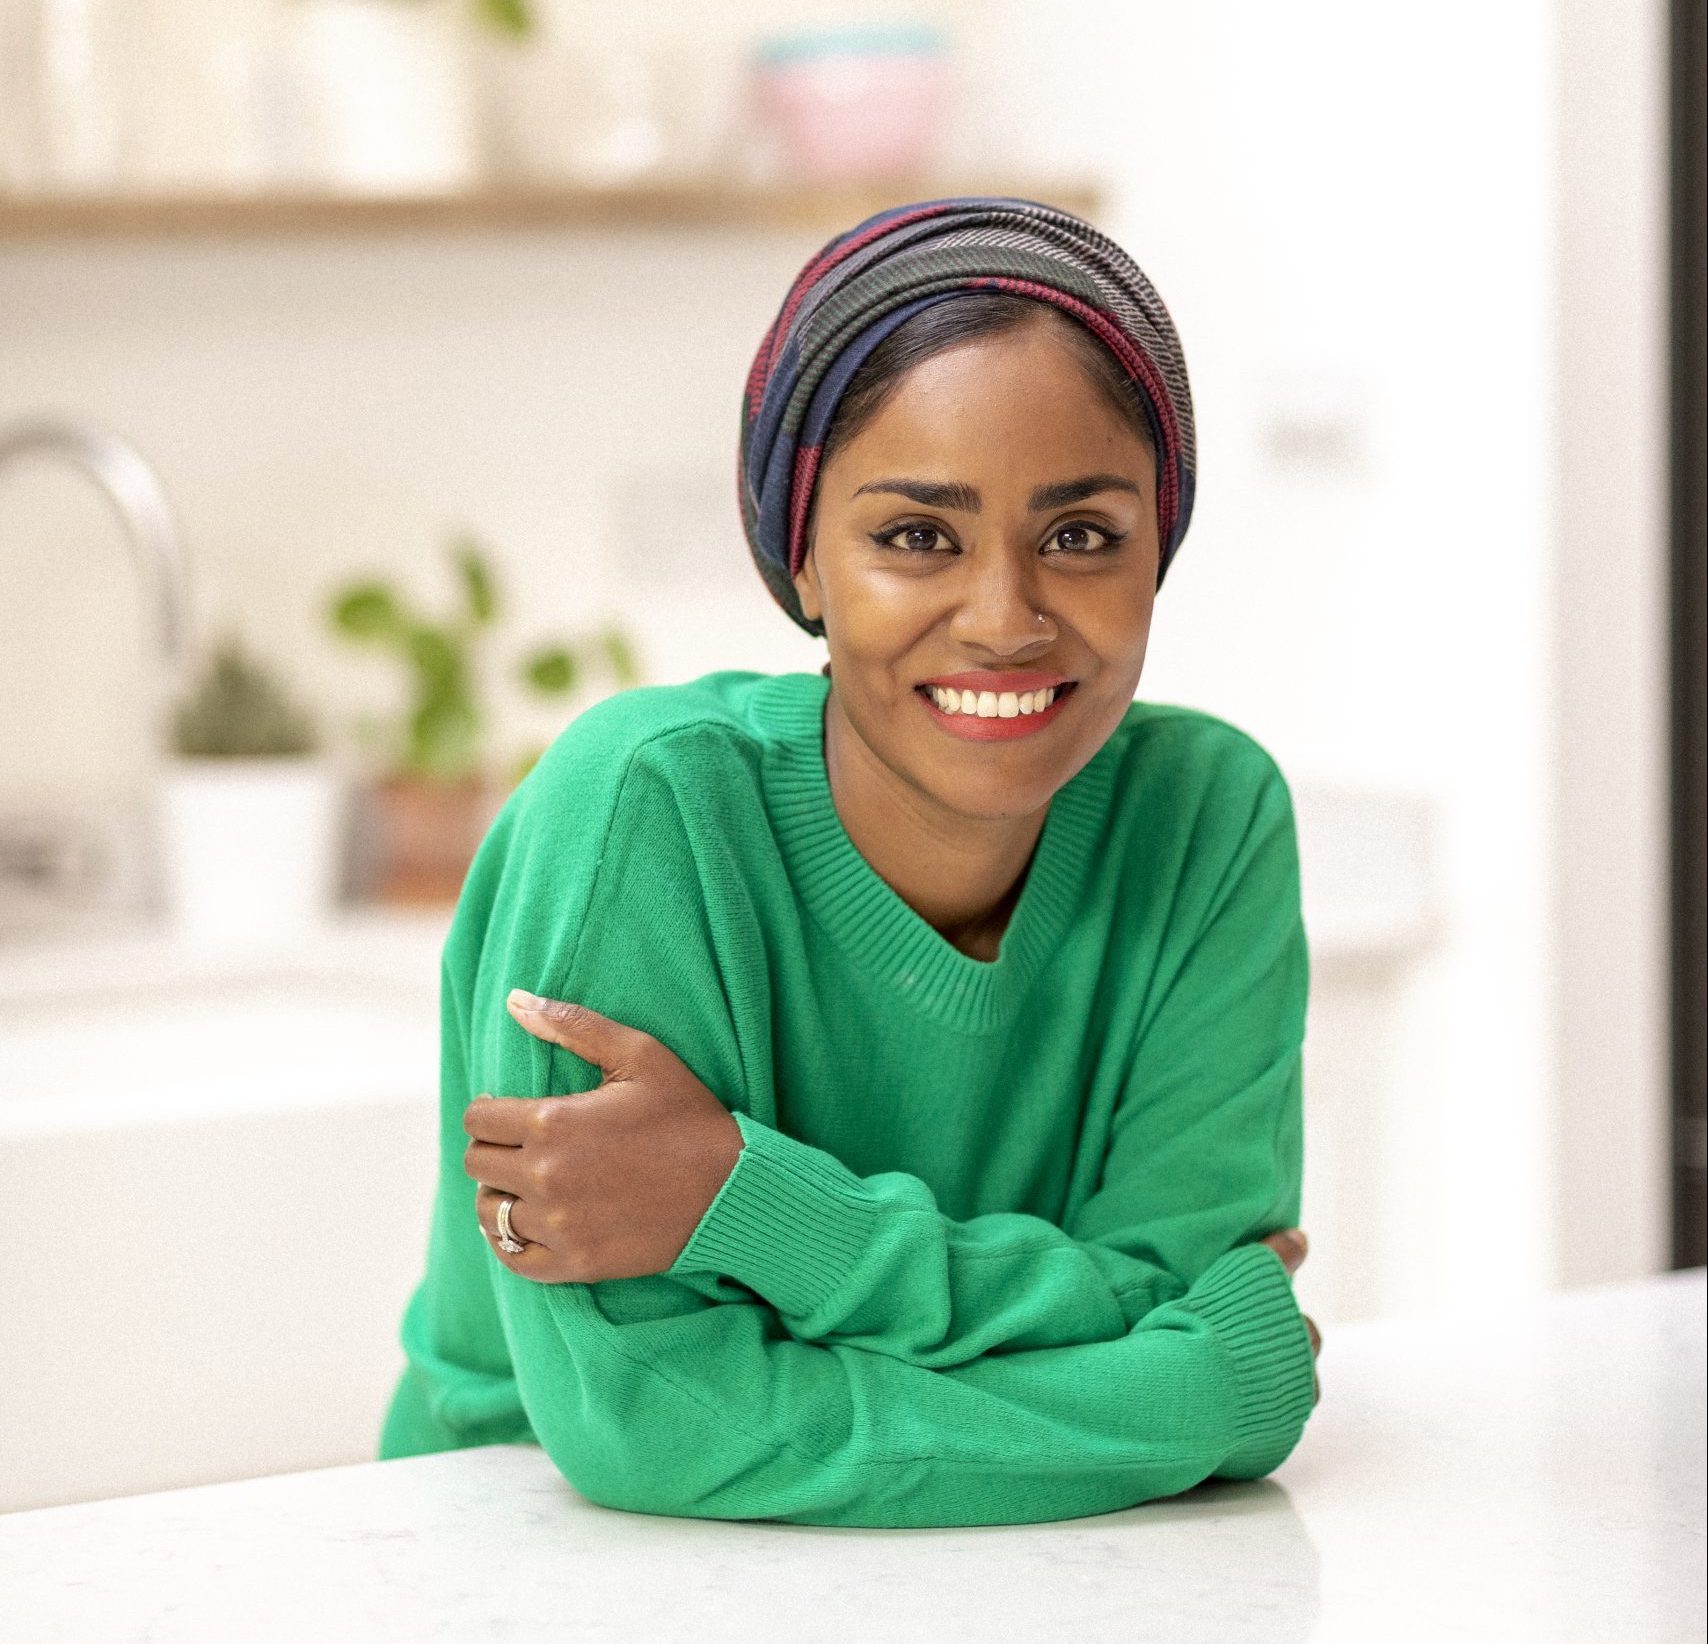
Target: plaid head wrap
{"type": "Point", "coordinates": [867, 281]}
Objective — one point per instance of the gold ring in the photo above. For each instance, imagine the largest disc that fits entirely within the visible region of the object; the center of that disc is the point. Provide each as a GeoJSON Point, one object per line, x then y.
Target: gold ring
{"type": "Point", "coordinates": [507, 1240]}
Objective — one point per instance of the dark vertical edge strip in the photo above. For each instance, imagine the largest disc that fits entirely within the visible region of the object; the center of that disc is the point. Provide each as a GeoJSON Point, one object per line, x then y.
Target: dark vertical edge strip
{"type": "Point", "coordinates": [1688, 650]}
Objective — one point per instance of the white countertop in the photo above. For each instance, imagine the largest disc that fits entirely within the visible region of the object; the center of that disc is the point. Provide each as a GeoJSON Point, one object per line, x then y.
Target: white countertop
{"type": "Point", "coordinates": [145, 956]}
{"type": "Point", "coordinates": [1533, 1475]}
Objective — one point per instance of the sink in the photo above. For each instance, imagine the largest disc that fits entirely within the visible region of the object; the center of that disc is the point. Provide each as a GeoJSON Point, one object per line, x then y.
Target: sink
{"type": "Point", "coordinates": [153, 1054]}
{"type": "Point", "coordinates": [202, 1152]}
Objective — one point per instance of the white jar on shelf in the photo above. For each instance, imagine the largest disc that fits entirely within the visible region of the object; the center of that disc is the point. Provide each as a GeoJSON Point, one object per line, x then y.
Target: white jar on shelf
{"type": "Point", "coordinates": [204, 109]}
{"type": "Point", "coordinates": [385, 93]}
{"type": "Point", "coordinates": [611, 97]}
{"type": "Point", "coordinates": [62, 123]}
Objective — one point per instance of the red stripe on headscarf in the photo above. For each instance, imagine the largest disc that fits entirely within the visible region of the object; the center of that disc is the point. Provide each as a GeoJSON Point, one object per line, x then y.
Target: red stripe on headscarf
{"type": "Point", "coordinates": [1139, 364]}
{"type": "Point", "coordinates": [772, 344]}
{"type": "Point", "coordinates": [800, 493]}
{"type": "Point", "coordinates": [757, 373]}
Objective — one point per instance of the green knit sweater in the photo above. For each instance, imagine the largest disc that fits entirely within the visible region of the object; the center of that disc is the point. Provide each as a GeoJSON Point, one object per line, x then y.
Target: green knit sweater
{"type": "Point", "coordinates": [987, 1255]}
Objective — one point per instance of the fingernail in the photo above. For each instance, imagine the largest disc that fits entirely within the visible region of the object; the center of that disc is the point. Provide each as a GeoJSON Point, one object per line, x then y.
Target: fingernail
{"type": "Point", "coordinates": [524, 1000]}
{"type": "Point", "coordinates": [483, 1096]}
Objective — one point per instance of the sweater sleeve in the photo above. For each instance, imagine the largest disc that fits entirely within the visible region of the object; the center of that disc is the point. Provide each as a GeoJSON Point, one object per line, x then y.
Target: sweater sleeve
{"type": "Point", "coordinates": [684, 1393]}
{"type": "Point", "coordinates": [1205, 1155]}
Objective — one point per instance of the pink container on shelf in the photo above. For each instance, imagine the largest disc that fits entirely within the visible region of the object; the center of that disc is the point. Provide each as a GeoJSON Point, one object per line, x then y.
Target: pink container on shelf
{"type": "Point", "coordinates": [855, 104]}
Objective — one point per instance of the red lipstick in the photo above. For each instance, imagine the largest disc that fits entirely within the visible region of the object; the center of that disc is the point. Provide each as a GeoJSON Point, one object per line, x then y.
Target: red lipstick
{"type": "Point", "coordinates": [976, 728]}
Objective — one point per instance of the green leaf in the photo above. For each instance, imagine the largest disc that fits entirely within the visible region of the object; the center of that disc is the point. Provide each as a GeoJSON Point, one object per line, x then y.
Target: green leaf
{"type": "Point", "coordinates": [367, 610]}
{"type": "Point", "coordinates": [513, 17]}
{"type": "Point", "coordinates": [620, 655]}
{"type": "Point", "coordinates": [478, 585]}
{"type": "Point", "coordinates": [443, 737]}
{"type": "Point", "coordinates": [550, 670]}
{"type": "Point", "coordinates": [438, 661]}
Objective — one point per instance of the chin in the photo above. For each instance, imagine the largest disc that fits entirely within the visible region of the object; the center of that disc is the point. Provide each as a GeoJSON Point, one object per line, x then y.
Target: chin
{"type": "Point", "coordinates": [993, 797]}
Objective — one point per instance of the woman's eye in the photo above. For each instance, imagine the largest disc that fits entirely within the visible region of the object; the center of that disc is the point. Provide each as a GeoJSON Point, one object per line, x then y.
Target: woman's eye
{"type": "Point", "coordinates": [1081, 529]}
{"type": "Point", "coordinates": [887, 539]}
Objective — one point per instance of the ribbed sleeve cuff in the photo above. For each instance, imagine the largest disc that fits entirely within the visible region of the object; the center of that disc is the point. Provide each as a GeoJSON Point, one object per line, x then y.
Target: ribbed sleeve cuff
{"type": "Point", "coordinates": [789, 1221]}
{"type": "Point", "coordinates": [1246, 1297]}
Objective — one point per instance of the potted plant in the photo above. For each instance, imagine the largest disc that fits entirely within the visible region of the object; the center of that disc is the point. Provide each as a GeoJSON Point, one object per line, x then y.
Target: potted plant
{"type": "Point", "coordinates": [251, 808]}
{"type": "Point", "coordinates": [439, 786]}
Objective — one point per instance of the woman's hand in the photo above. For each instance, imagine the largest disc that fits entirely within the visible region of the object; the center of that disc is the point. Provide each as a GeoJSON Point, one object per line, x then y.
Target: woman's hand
{"type": "Point", "coordinates": [1291, 1245]}
{"type": "Point", "coordinates": [608, 1183]}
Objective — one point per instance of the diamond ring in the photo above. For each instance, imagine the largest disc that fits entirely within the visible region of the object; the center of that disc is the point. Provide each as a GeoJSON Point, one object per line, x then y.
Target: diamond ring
{"type": "Point", "coordinates": [507, 1240]}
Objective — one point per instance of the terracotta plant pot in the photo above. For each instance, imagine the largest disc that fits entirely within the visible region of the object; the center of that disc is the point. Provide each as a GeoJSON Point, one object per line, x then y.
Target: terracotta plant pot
{"type": "Point", "coordinates": [428, 832]}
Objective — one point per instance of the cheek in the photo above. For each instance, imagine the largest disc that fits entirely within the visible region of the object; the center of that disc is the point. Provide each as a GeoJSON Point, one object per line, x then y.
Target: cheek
{"type": "Point", "coordinates": [877, 617]}
{"type": "Point", "coordinates": [1114, 614]}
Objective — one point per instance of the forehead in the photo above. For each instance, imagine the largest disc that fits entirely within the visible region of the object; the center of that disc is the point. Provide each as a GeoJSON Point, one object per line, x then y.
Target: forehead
{"type": "Point", "coordinates": [1018, 407]}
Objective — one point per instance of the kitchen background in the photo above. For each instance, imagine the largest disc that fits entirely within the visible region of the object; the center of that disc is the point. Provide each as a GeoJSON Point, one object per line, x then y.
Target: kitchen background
{"type": "Point", "coordinates": [410, 336]}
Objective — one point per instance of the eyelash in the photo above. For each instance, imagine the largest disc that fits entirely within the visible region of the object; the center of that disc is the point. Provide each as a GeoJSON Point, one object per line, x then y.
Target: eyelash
{"type": "Point", "coordinates": [1115, 538]}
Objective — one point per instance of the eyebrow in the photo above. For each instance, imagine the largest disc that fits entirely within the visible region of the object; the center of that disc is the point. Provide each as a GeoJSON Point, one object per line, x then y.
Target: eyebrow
{"type": "Point", "coordinates": [953, 494]}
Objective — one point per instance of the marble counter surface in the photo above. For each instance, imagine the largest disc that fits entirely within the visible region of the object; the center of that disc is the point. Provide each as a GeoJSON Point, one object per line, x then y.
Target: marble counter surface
{"type": "Point", "coordinates": [1531, 1474]}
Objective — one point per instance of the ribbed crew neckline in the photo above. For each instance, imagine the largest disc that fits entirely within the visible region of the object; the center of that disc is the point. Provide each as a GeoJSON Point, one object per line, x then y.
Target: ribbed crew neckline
{"type": "Point", "coordinates": [887, 940]}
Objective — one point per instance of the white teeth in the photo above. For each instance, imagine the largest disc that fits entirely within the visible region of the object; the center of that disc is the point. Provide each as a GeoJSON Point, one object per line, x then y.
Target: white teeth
{"type": "Point", "coordinates": [991, 704]}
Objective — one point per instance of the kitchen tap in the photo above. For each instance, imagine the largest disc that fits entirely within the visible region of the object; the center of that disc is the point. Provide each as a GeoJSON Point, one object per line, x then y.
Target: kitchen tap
{"type": "Point", "coordinates": [92, 847]}
{"type": "Point", "coordinates": [135, 492]}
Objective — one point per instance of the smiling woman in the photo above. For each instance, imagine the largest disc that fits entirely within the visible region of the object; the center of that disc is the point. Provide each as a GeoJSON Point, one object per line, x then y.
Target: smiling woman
{"type": "Point", "coordinates": [1030, 572]}
{"type": "Point", "coordinates": [901, 1120]}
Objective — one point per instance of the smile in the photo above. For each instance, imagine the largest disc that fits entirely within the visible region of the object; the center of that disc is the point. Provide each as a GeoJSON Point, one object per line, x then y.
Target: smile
{"type": "Point", "coordinates": [987, 716]}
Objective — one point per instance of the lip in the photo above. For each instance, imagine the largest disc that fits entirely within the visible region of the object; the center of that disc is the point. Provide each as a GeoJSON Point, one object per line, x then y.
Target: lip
{"type": "Point", "coordinates": [972, 728]}
{"type": "Point", "coordinates": [985, 679]}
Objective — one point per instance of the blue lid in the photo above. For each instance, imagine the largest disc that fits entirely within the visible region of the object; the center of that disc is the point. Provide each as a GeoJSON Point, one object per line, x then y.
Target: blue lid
{"type": "Point", "coordinates": [870, 39]}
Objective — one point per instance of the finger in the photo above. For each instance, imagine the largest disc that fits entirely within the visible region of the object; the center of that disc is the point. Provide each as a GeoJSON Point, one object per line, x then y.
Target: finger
{"type": "Point", "coordinates": [609, 1045]}
{"type": "Point", "coordinates": [1290, 1245]}
{"type": "Point", "coordinates": [504, 1119]}
{"type": "Point", "coordinates": [501, 1168]}
{"type": "Point", "coordinates": [486, 1201]}
{"type": "Point", "coordinates": [1316, 1336]}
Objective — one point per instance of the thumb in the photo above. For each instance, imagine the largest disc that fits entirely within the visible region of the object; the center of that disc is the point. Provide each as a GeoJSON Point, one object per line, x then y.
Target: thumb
{"type": "Point", "coordinates": [594, 1038]}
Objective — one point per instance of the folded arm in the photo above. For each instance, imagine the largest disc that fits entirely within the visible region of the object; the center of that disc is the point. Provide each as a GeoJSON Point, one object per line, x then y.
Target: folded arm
{"type": "Point", "coordinates": [1205, 1154]}
{"type": "Point", "coordinates": [684, 1397]}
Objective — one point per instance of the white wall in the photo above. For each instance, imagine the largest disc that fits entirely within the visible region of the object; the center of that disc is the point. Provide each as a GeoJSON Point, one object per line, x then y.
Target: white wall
{"type": "Point", "coordinates": [1355, 220]}
{"type": "Point", "coordinates": [1610, 519]}
{"type": "Point", "coordinates": [1471, 246]}
{"type": "Point", "coordinates": [1347, 189]}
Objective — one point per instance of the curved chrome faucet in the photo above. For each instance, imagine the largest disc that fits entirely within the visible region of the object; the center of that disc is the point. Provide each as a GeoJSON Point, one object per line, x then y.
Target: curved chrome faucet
{"type": "Point", "coordinates": [109, 849]}
{"type": "Point", "coordinates": [138, 498]}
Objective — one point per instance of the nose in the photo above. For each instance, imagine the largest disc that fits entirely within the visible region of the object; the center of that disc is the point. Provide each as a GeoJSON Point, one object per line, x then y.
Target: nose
{"type": "Point", "coordinates": [1002, 606]}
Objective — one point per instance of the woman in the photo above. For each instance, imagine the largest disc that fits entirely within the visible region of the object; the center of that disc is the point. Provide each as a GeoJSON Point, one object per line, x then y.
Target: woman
{"type": "Point", "coordinates": [872, 1097]}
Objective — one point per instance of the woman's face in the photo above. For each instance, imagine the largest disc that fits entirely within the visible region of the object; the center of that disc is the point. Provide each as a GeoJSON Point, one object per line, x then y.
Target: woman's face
{"type": "Point", "coordinates": [943, 528]}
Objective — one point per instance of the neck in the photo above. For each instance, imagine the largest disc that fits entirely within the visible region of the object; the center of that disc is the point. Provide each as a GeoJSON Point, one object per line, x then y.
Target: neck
{"type": "Point", "coordinates": [962, 875]}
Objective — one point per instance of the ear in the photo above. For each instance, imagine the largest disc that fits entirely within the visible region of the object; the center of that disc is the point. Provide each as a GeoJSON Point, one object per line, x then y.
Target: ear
{"type": "Point", "coordinates": [806, 586]}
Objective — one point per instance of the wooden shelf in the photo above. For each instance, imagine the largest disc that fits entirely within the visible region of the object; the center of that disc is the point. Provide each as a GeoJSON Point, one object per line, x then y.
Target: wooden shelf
{"type": "Point", "coordinates": [685, 206]}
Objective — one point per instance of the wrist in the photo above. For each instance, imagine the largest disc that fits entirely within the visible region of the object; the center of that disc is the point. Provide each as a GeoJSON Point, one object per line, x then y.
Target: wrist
{"type": "Point", "coordinates": [1246, 1297]}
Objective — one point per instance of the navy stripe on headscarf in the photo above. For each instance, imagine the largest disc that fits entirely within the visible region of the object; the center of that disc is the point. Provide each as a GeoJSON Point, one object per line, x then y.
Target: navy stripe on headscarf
{"type": "Point", "coordinates": [867, 281]}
